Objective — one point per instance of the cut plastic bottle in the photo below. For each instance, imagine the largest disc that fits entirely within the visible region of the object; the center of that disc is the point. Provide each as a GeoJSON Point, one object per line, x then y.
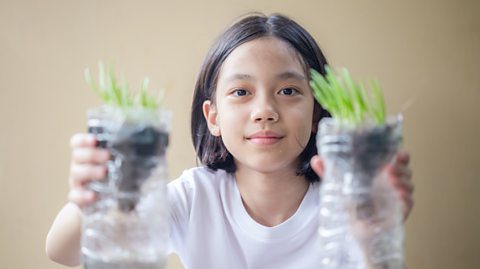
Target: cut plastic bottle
{"type": "Point", "coordinates": [127, 226]}
{"type": "Point", "coordinates": [361, 217]}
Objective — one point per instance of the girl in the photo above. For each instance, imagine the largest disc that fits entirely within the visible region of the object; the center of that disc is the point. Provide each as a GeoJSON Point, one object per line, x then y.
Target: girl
{"type": "Point", "coordinates": [254, 203]}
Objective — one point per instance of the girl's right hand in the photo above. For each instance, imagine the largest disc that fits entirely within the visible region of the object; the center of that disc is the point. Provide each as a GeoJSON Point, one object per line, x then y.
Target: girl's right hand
{"type": "Point", "coordinates": [88, 163]}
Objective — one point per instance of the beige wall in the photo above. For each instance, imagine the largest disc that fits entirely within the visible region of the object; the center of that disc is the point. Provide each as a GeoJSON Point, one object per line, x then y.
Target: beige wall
{"type": "Point", "coordinates": [424, 52]}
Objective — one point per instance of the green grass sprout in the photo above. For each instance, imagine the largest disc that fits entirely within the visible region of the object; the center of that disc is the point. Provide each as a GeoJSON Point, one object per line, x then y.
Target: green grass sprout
{"type": "Point", "coordinates": [118, 95]}
{"type": "Point", "coordinates": [348, 100]}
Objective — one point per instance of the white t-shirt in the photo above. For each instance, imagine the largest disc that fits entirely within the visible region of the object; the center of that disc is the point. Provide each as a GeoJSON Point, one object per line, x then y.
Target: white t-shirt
{"type": "Point", "coordinates": [210, 228]}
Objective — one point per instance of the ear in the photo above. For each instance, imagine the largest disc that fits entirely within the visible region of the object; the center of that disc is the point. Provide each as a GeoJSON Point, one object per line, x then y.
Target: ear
{"type": "Point", "coordinates": [210, 114]}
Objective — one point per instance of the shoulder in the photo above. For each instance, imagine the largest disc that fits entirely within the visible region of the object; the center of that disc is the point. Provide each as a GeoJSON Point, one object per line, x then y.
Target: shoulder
{"type": "Point", "coordinates": [197, 188]}
{"type": "Point", "coordinates": [198, 178]}
{"type": "Point", "coordinates": [197, 175]}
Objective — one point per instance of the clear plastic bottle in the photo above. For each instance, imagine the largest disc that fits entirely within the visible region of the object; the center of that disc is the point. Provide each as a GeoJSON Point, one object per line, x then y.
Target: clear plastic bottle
{"type": "Point", "coordinates": [127, 226]}
{"type": "Point", "coordinates": [361, 219]}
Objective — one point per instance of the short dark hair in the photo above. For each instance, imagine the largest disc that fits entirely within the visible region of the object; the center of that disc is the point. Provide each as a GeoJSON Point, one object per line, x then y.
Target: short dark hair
{"type": "Point", "coordinates": [210, 149]}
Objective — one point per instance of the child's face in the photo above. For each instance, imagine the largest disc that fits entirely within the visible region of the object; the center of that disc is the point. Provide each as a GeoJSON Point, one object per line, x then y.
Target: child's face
{"type": "Point", "coordinates": [263, 106]}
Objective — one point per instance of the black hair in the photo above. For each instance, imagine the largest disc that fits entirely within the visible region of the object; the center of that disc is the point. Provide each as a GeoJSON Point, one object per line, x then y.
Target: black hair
{"type": "Point", "coordinates": [210, 149]}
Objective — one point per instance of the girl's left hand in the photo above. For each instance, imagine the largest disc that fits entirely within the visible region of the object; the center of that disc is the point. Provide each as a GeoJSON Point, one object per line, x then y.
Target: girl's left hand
{"type": "Point", "coordinates": [399, 175]}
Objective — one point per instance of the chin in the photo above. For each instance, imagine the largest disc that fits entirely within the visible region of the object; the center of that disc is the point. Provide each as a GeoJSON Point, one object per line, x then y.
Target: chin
{"type": "Point", "coordinates": [267, 167]}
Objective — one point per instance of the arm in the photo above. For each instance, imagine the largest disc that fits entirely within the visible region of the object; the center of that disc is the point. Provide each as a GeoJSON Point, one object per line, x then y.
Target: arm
{"type": "Point", "coordinates": [88, 163]}
{"type": "Point", "coordinates": [63, 239]}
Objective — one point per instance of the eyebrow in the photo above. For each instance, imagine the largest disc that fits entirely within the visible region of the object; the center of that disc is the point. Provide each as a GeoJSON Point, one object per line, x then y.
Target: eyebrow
{"type": "Point", "coordinates": [291, 74]}
{"type": "Point", "coordinates": [239, 77]}
{"type": "Point", "coordinates": [284, 75]}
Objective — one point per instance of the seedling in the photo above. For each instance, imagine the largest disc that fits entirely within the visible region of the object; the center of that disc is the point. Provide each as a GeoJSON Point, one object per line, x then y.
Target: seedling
{"type": "Point", "coordinates": [355, 145]}
{"type": "Point", "coordinates": [117, 95]}
{"type": "Point", "coordinates": [347, 100]}
{"type": "Point", "coordinates": [133, 128]}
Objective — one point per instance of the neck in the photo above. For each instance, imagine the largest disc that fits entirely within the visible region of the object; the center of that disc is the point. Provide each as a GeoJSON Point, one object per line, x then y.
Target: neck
{"type": "Point", "coordinates": [271, 198]}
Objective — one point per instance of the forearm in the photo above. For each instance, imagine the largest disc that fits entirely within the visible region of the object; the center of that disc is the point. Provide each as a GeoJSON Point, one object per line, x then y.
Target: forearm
{"type": "Point", "coordinates": [64, 238]}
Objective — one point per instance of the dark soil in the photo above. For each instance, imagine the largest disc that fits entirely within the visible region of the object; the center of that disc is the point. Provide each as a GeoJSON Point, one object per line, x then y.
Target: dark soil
{"type": "Point", "coordinates": [136, 148]}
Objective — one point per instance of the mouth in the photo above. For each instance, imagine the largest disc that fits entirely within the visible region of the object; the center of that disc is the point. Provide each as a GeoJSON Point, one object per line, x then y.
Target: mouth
{"type": "Point", "coordinates": [265, 138]}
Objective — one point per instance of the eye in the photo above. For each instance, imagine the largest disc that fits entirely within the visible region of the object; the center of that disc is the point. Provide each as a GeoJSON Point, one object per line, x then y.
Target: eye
{"type": "Point", "coordinates": [239, 92]}
{"type": "Point", "coordinates": [289, 91]}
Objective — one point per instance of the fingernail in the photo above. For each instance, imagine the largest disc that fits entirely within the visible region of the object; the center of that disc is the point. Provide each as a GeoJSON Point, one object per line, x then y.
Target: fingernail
{"type": "Point", "coordinates": [105, 155]}
{"type": "Point", "coordinates": [90, 195]}
{"type": "Point", "coordinates": [101, 172]}
{"type": "Point", "coordinates": [90, 138]}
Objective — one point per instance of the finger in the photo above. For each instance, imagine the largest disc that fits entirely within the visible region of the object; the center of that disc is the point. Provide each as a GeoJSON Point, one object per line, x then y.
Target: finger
{"type": "Point", "coordinates": [81, 198]}
{"type": "Point", "coordinates": [317, 165]}
{"type": "Point", "coordinates": [82, 140]}
{"type": "Point", "coordinates": [402, 185]}
{"type": "Point", "coordinates": [401, 170]}
{"type": "Point", "coordinates": [90, 155]}
{"type": "Point", "coordinates": [405, 186]}
{"type": "Point", "coordinates": [402, 157]}
{"type": "Point", "coordinates": [81, 174]}
{"type": "Point", "coordinates": [408, 204]}
{"type": "Point", "coordinates": [401, 179]}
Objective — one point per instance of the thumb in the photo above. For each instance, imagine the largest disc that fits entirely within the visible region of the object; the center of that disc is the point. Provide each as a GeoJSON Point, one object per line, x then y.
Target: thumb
{"type": "Point", "coordinates": [317, 165]}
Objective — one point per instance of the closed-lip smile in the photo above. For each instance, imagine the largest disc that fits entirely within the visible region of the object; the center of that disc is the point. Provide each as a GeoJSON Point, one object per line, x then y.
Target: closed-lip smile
{"type": "Point", "coordinates": [264, 137]}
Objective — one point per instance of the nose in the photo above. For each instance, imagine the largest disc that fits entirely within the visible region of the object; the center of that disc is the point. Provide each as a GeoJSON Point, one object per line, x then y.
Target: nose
{"type": "Point", "coordinates": [264, 111]}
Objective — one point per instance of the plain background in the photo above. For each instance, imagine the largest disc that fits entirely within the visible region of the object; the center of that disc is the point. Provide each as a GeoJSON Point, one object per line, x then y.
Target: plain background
{"type": "Point", "coordinates": [424, 53]}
